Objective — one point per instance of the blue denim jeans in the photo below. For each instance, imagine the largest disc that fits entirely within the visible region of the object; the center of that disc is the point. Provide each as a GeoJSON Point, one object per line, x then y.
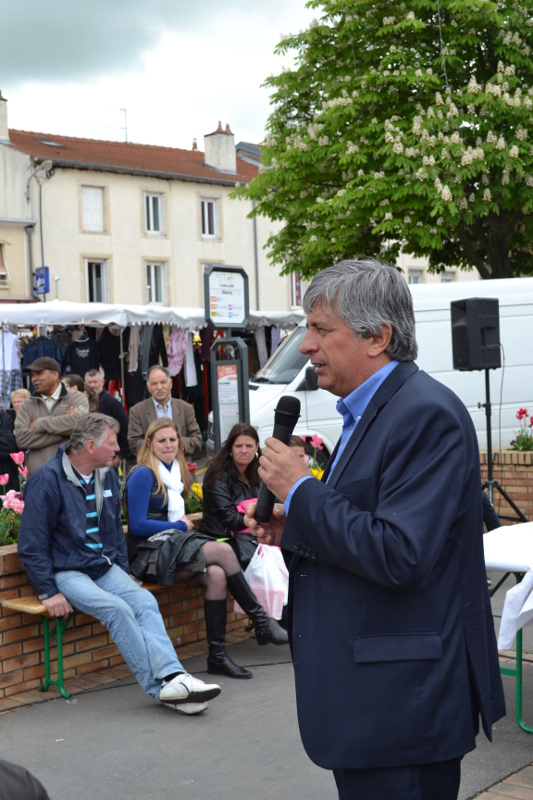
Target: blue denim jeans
{"type": "Point", "coordinates": [132, 617]}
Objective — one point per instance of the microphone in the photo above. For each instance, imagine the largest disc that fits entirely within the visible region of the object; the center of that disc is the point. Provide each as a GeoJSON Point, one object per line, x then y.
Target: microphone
{"type": "Point", "coordinates": [285, 418]}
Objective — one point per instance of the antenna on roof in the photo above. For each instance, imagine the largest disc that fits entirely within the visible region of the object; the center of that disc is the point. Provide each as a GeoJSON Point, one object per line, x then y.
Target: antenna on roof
{"type": "Point", "coordinates": [125, 126]}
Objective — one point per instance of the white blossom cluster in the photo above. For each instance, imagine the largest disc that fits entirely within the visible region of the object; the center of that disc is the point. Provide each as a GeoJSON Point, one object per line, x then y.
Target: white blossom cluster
{"type": "Point", "coordinates": [314, 129]}
{"type": "Point", "coordinates": [472, 154]}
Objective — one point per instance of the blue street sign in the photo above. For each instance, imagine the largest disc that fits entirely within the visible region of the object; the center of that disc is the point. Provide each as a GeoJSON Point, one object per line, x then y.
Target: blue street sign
{"type": "Point", "coordinates": [42, 280]}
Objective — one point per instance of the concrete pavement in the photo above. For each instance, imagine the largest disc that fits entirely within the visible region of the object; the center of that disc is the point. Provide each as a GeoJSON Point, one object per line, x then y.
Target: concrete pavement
{"type": "Point", "coordinates": [114, 743]}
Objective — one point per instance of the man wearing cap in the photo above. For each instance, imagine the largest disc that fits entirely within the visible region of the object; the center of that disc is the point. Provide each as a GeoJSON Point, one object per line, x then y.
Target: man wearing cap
{"type": "Point", "coordinates": [47, 418]}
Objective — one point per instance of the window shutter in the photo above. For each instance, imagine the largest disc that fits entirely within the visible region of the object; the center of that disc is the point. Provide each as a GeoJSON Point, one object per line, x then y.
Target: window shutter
{"type": "Point", "coordinates": [92, 208]}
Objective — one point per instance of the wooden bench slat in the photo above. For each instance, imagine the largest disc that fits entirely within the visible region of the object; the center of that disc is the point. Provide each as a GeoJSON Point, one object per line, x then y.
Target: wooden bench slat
{"type": "Point", "coordinates": [27, 605]}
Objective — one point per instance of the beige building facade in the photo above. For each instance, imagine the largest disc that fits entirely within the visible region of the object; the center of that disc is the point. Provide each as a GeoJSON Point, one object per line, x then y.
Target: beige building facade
{"type": "Point", "coordinates": [128, 223]}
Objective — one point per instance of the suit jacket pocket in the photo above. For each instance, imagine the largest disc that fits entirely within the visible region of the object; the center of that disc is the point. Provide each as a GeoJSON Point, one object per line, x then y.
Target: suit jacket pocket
{"type": "Point", "coordinates": [351, 488]}
{"type": "Point", "coordinates": [397, 647]}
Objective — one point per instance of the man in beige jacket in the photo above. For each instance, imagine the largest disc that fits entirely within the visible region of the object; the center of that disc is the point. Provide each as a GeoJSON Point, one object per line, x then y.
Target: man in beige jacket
{"type": "Point", "coordinates": [47, 418]}
{"type": "Point", "coordinates": [161, 404]}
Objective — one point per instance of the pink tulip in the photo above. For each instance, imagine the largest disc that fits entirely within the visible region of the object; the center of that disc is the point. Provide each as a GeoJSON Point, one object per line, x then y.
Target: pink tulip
{"type": "Point", "coordinates": [4, 479]}
{"type": "Point", "coordinates": [316, 442]}
{"type": "Point", "coordinates": [23, 471]}
{"type": "Point", "coordinates": [18, 458]}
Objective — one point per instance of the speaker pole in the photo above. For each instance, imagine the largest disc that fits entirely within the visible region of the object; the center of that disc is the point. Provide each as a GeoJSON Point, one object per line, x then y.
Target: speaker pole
{"type": "Point", "coordinates": [490, 484]}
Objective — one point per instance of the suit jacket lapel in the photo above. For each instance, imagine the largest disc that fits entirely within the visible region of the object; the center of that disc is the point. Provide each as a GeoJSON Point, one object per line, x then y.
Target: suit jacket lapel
{"type": "Point", "coordinates": [150, 411]}
{"type": "Point", "coordinates": [384, 393]}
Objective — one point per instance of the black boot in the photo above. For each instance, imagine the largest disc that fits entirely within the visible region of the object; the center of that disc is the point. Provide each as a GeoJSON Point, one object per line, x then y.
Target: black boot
{"type": "Point", "coordinates": [218, 661]}
{"type": "Point", "coordinates": [267, 631]}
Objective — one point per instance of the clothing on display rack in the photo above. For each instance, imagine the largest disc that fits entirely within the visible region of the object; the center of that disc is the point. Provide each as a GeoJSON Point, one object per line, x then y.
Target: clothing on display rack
{"type": "Point", "coordinates": [109, 353]}
{"type": "Point", "coordinates": [152, 348]}
{"type": "Point", "coordinates": [81, 355]}
{"type": "Point", "coordinates": [177, 347]}
{"type": "Point", "coordinates": [189, 365]}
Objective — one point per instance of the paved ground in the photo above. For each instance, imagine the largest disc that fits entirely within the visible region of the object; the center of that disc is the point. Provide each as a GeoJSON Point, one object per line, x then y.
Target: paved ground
{"type": "Point", "coordinates": [111, 742]}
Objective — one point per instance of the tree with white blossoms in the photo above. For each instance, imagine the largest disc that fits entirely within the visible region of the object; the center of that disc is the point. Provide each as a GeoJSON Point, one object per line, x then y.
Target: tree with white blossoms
{"type": "Point", "coordinates": [403, 127]}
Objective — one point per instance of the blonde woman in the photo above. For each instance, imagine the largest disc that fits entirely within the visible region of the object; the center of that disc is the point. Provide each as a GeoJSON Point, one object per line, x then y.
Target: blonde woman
{"type": "Point", "coordinates": [155, 492]}
{"type": "Point", "coordinates": [18, 397]}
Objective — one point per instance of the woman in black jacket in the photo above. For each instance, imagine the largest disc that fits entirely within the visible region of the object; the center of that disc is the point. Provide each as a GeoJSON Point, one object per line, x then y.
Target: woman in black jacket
{"type": "Point", "coordinates": [161, 538]}
{"type": "Point", "coordinates": [232, 478]}
{"type": "Point", "coordinates": [8, 446]}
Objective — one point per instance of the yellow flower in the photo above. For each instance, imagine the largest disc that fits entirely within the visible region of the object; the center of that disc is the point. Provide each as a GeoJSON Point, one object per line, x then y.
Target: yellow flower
{"type": "Point", "coordinates": [197, 490]}
{"type": "Point", "coordinates": [317, 473]}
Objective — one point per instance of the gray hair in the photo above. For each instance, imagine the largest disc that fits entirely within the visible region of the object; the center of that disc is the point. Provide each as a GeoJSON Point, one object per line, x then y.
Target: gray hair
{"type": "Point", "coordinates": [90, 426]}
{"type": "Point", "coordinates": [365, 294]}
{"type": "Point", "coordinates": [153, 369]}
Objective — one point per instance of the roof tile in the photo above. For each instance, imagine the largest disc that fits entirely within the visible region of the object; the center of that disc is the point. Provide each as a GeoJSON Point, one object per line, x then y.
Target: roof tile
{"type": "Point", "coordinates": [126, 157]}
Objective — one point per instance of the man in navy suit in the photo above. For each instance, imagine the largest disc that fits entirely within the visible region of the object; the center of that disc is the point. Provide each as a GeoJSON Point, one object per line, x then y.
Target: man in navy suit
{"type": "Point", "coordinates": [392, 636]}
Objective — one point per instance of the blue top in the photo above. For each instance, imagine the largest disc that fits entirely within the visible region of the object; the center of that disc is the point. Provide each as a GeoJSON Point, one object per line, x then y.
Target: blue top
{"type": "Point", "coordinates": [139, 486]}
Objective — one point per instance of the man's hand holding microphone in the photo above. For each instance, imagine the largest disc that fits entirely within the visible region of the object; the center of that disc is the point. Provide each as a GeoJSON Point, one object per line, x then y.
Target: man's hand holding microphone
{"type": "Point", "coordinates": [280, 468]}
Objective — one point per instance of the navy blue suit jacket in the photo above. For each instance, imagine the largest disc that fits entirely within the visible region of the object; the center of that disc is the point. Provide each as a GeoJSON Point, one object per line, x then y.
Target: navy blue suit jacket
{"type": "Point", "coordinates": [392, 635]}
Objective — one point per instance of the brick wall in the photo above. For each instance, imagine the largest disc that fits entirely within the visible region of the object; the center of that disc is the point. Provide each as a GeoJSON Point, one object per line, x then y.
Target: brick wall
{"type": "Point", "coordinates": [87, 646]}
{"type": "Point", "coordinates": [513, 470]}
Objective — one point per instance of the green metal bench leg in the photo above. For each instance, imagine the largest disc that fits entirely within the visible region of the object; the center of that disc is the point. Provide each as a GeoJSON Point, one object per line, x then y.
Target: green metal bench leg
{"type": "Point", "coordinates": [56, 634]}
{"type": "Point", "coordinates": [517, 672]}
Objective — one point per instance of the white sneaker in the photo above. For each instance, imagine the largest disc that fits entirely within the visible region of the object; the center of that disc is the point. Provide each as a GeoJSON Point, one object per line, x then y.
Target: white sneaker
{"type": "Point", "coordinates": [184, 689]}
{"type": "Point", "coordinates": [188, 709]}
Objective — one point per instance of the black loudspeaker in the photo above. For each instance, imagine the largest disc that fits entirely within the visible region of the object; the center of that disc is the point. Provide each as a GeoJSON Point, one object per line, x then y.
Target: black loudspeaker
{"type": "Point", "coordinates": [476, 334]}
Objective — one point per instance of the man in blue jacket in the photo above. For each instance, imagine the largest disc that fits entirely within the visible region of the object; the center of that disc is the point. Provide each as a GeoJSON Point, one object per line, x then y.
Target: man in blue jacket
{"type": "Point", "coordinates": [72, 545]}
{"type": "Point", "coordinates": [392, 636]}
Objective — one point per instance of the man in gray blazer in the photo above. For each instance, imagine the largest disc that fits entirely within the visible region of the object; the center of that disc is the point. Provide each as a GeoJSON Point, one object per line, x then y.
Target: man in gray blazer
{"type": "Point", "coordinates": [161, 404]}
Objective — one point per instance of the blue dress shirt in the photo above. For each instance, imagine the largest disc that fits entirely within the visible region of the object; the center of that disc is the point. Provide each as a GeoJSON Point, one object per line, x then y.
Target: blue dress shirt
{"type": "Point", "coordinates": [352, 409]}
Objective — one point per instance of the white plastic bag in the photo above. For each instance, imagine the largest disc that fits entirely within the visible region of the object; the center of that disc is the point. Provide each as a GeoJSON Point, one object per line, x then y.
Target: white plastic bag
{"type": "Point", "coordinates": [268, 577]}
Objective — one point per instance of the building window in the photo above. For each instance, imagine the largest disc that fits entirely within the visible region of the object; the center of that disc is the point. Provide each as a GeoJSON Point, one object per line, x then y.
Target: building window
{"type": "Point", "coordinates": [156, 283]}
{"type": "Point", "coordinates": [414, 276]}
{"type": "Point", "coordinates": [97, 281]}
{"type": "Point", "coordinates": [4, 274]}
{"type": "Point", "coordinates": [447, 277]}
{"type": "Point", "coordinates": [154, 213]}
{"type": "Point", "coordinates": [92, 209]}
{"type": "Point", "coordinates": [296, 290]}
{"type": "Point", "coordinates": [210, 218]}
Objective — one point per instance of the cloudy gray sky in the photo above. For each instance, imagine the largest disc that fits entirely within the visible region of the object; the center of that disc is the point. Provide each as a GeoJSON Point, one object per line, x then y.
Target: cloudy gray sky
{"type": "Point", "coordinates": [176, 66]}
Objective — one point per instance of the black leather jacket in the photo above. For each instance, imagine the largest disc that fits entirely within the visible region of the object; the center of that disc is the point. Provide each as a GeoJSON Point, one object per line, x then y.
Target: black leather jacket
{"type": "Point", "coordinates": [220, 501]}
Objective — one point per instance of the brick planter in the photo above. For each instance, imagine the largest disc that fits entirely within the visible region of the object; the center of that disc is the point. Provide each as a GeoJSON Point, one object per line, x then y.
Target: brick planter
{"type": "Point", "coordinates": [513, 470]}
{"type": "Point", "coordinates": [87, 646]}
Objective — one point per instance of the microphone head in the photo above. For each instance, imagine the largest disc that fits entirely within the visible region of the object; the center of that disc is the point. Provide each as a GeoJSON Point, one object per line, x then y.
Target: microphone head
{"type": "Point", "coordinates": [287, 411]}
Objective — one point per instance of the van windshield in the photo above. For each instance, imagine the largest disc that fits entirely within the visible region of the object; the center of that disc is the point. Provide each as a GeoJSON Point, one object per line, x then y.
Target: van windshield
{"type": "Point", "coordinates": [286, 362]}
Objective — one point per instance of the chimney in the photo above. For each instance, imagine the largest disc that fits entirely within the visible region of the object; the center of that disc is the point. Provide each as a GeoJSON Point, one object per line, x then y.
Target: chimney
{"type": "Point", "coordinates": [194, 144]}
{"type": "Point", "coordinates": [4, 133]}
{"type": "Point", "coordinates": [219, 150]}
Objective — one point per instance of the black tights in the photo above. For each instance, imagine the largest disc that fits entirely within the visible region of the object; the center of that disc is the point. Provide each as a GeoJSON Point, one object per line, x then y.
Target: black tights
{"type": "Point", "coordinates": [221, 561]}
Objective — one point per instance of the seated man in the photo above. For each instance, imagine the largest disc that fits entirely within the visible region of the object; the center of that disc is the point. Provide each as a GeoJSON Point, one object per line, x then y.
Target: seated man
{"type": "Point", "coordinates": [73, 547]}
{"type": "Point", "coordinates": [161, 404]}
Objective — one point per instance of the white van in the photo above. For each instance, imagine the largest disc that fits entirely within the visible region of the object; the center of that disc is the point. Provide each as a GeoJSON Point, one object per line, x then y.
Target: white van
{"type": "Point", "coordinates": [511, 387]}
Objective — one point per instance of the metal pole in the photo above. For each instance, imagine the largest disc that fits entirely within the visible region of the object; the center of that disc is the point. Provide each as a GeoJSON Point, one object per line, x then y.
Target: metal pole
{"type": "Point", "coordinates": [3, 369]}
{"type": "Point", "coordinates": [488, 412]}
{"type": "Point", "coordinates": [122, 371]}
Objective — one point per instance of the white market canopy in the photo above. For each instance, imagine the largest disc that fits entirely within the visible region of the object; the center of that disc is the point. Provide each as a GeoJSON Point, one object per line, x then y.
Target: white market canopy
{"type": "Point", "coordinates": [62, 312]}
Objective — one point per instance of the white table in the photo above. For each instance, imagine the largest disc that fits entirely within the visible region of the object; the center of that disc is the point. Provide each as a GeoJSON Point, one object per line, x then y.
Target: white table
{"type": "Point", "coordinates": [510, 549]}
